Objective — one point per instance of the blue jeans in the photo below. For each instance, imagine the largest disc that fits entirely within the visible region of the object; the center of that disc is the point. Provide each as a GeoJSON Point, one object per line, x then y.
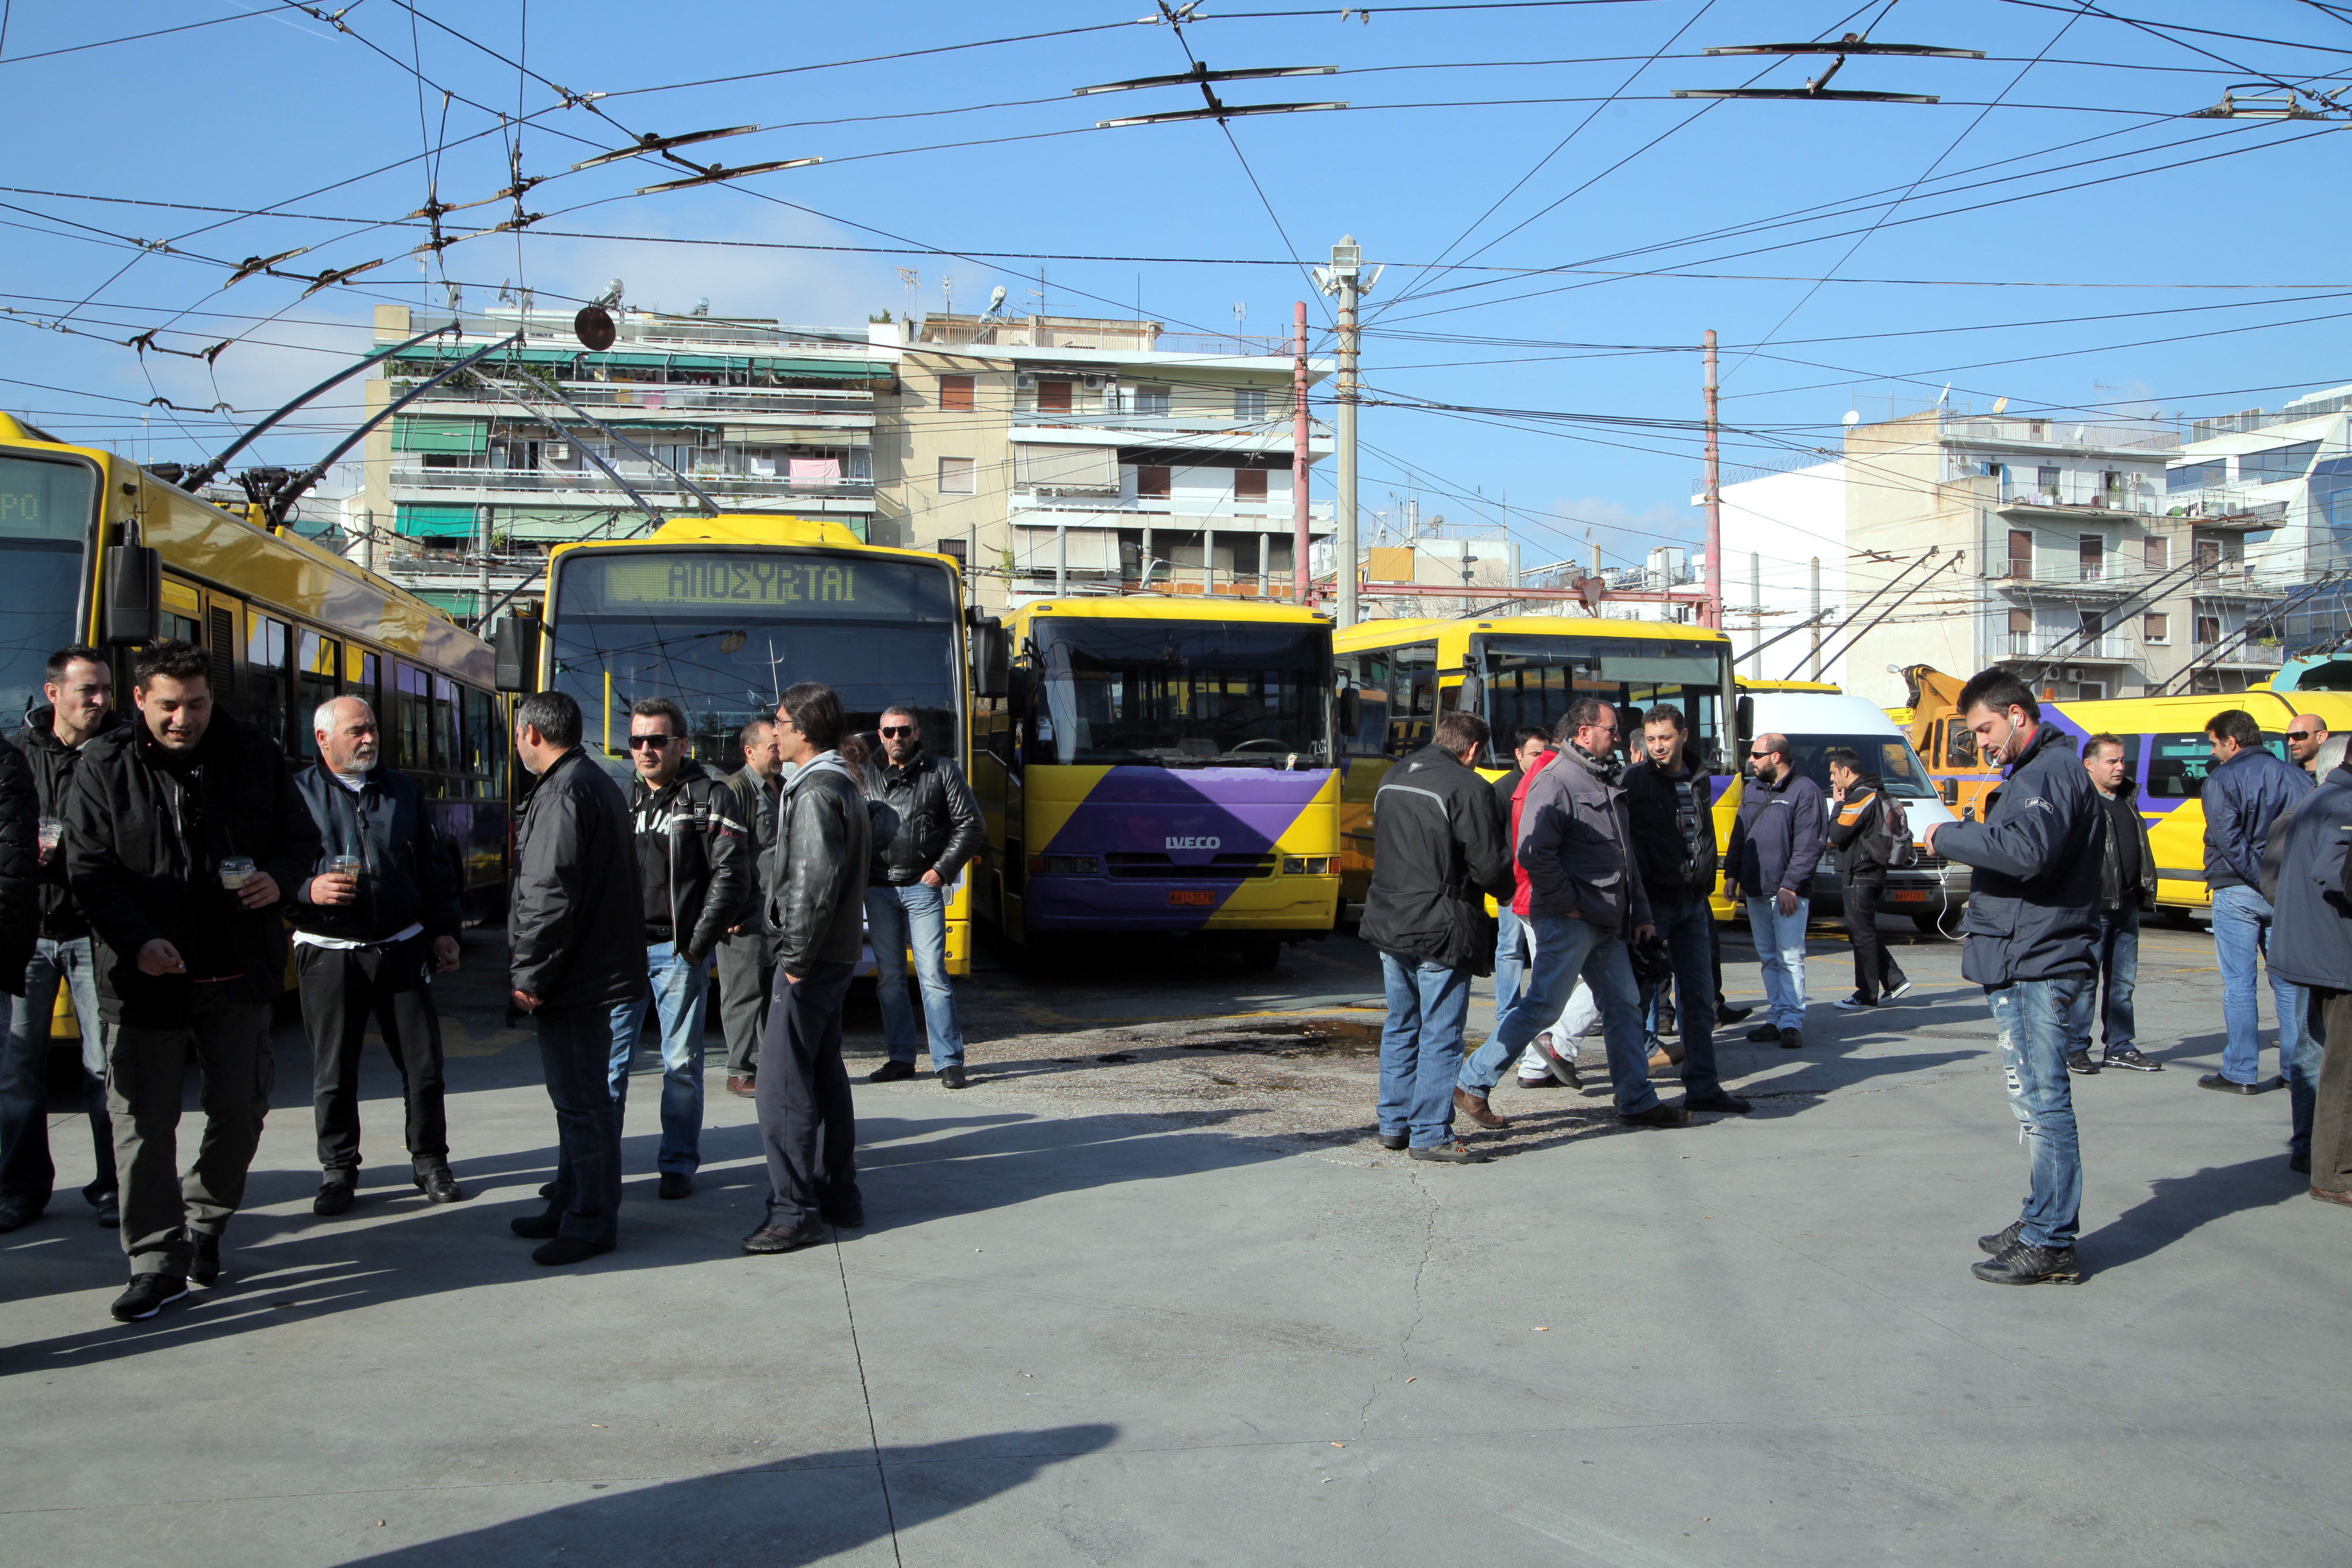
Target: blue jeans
{"type": "Point", "coordinates": [2031, 1015]}
{"type": "Point", "coordinates": [680, 996]}
{"type": "Point", "coordinates": [28, 1175]}
{"type": "Point", "coordinates": [2241, 930]}
{"type": "Point", "coordinates": [2115, 951]}
{"type": "Point", "coordinates": [1781, 948]}
{"type": "Point", "coordinates": [1684, 927]}
{"type": "Point", "coordinates": [1510, 958]}
{"type": "Point", "coordinates": [574, 1045]}
{"type": "Point", "coordinates": [1421, 1047]}
{"type": "Point", "coordinates": [1566, 948]}
{"type": "Point", "coordinates": [895, 919]}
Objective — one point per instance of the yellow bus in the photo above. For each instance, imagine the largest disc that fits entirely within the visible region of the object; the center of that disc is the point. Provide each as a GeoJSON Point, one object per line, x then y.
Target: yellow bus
{"type": "Point", "coordinates": [722, 613]}
{"type": "Point", "coordinates": [94, 549]}
{"type": "Point", "coordinates": [1164, 765]}
{"type": "Point", "coordinates": [1398, 675]}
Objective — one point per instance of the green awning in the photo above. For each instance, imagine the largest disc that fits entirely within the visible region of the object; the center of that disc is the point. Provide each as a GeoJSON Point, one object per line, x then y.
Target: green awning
{"type": "Point", "coordinates": [836, 369]}
{"type": "Point", "coordinates": [459, 350]}
{"type": "Point", "coordinates": [435, 433]}
{"type": "Point", "coordinates": [417, 521]}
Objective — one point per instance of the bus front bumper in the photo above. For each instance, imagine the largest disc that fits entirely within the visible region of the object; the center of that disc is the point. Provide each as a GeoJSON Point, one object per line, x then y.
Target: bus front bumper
{"type": "Point", "coordinates": [1266, 905]}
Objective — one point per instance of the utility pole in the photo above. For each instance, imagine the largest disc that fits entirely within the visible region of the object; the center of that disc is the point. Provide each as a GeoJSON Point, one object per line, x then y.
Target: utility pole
{"type": "Point", "coordinates": [482, 603]}
{"type": "Point", "coordinates": [1301, 430]}
{"type": "Point", "coordinates": [1817, 617]}
{"type": "Point", "coordinates": [1714, 610]}
{"type": "Point", "coordinates": [1755, 614]}
{"type": "Point", "coordinates": [1345, 278]}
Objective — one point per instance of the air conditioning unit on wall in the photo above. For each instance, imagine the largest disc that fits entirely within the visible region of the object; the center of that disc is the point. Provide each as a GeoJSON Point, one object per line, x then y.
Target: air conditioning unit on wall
{"type": "Point", "coordinates": [1024, 380]}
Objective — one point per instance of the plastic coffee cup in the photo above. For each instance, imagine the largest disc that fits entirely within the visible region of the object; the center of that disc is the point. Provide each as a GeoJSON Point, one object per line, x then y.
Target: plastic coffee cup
{"type": "Point", "coordinates": [343, 866]}
{"type": "Point", "coordinates": [53, 832]}
{"type": "Point", "coordinates": [236, 871]}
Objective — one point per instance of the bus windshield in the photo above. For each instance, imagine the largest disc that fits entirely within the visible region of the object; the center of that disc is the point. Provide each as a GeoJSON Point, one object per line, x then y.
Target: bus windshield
{"type": "Point", "coordinates": [1179, 694]}
{"type": "Point", "coordinates": [46, 512]}
{"type": "Point", "coordinates": [724, 632]}
{"type": "Point", "coordinates": [1530, 678]}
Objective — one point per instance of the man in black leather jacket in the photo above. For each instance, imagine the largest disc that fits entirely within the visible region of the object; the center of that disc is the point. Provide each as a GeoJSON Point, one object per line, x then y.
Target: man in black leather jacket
{"type": "Point", "coordinates": [694, 862]}
{"type": "Point", "coordinates": [939, 829]}
{"type": "Point", "coordinates": [814, 877]}
{"type": "Point", "coordinates": [576, 940]}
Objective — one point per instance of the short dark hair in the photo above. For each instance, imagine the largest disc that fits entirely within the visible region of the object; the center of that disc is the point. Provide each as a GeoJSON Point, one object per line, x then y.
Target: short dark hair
{"type": "Point", "coordinates": [1999, 689]}
{"type": "Point", "coordinates": [179, 660]}
{"type": "Point", "coordinates": [1459, 730]}
{"type": "Point", "coordinates": [2235, 724]}
{"type": "Point", "coordinates": [750, 730]}
{"type": "Point", "coordinates": [815, 712]}
{"type": "Point", "coordinates": [902, 707]}
{"type": "Point", "coordinates": [1667, 714]}
{"type": "Point", "coordinates": [1526, 733]}
{"type": "Point", "coordinates": [1843, 757]}
{"type": "Point", "coordinates": [660, 707]}
{"type": "Point", "coordinates": [78, 653]}
{"type": "Point", "coordinates": [1581, 710]}
{"type": "Point", "coordinates": [2103, 739]}
{"type": "Point", "coordinates": [554, 715]}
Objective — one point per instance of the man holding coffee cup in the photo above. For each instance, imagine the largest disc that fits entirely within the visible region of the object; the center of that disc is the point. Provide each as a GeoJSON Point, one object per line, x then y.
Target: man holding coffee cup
{"type": "Point", "coordinates": [184, 834]}
{"type": "Point", "coordinates": [372, 927]}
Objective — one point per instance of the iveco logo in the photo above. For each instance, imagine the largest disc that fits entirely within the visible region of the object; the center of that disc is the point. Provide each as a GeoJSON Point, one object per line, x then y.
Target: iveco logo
{"type": "Point", "coordinates": [1192, 843]}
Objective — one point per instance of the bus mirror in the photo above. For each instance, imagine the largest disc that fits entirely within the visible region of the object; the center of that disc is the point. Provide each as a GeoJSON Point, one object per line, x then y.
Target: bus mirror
{"type": "Point", "coordinates": [1352, 710]}
{"type": "Point", "coordinates": [1471, 696]}
{"type": "Point", "coordinates": [134, 594]}
{"type": "Point", "coordinates": [515, 640]}
{"type": "Point", "coordinates": [1951, 788]}
{"type": "Point", "coordinates": [991, 658]}
{"type": "Point", "coordinates": [1745, 720]}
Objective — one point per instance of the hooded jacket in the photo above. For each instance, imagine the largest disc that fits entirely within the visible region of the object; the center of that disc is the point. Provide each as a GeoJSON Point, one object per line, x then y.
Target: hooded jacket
{"type": "Point", "coordinates": [1674, 869]}
{"type": "Point", "coordinates": [53, 763]}
{"type": "Point", "coordinates": [2311, 937]}
{"type": "Point", "coordinates": [2242, 797]}
{"type": "Point", "coordinates": [1776, 841]}
{"type": "Point", "coordinates": [408, 872]}
{"type": "Point", "coordinates": [691, 835]}
{"type": "Point", "coordinates": [816, 871]}
{"type": "Point", "coordinates": [1576, 840]}
{"type": "Point", "coordinates": [1438, 850]}
{"type": "Point", "coordinates": [2033, 903]}
{"type": "Point", "coordinates": [575, 920]}
{"type": "Point", "coordinates": [144, 840]}
{"type": "Point", "coordinates": [1855, 832]}
{"type": "Point", "coordinates": [938, 826]}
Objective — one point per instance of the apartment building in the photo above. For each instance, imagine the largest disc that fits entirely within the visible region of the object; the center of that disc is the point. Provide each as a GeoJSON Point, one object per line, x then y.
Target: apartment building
{"type": "Point", "coordinates": [2074, 565]}
{"type": "Point", "coordinates": [2290, 471]}
{"type": "Point", "coordinates": [1060, 455]}
{"type": "Point", "coordinates": [468, 487]}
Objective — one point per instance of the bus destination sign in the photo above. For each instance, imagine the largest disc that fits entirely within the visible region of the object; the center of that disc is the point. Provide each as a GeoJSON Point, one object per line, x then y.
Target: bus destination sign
{"type": "Point", "coordinates": [753, 585]}
{"type": "Point", "coordinates": [756, 582]}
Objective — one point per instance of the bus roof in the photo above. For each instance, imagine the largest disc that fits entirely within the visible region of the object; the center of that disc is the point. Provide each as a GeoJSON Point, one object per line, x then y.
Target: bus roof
{"type": "Point", "coordinates": [1386, 634]}
{"type": "Point", "coordinates": [770, 531]}
{"type": "Point", "coordinates": [1746, 685]}
{"type": "Point", "coordinates": [1162, 607]}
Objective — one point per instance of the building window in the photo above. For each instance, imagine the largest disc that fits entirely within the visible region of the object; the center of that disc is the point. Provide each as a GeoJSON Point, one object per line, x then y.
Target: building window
{"type": "Point", "coordinates": [2154, 626]}
{"type": "Point", "coordinates": [1152, 401]}
{"type": "Point", "coordinates": [1054, 396]}
{"type": "Point", "coordinates": [2277, 463]}
{"type": "Point", "coordinates": [2208, 555]}
{"type": "Point", "coordinates": [1249, 484]}
{"type": "Point", "coordinates": [2045, 483]}
{"type": "Point", "coordinates": [1153, 483]}
{"type": "Point", "coordinates": [956, 476]}
{"type": "Point", "coordinates": [2209, 630]}
{"type": "Point", "coordinates": [2021, 553]}
{"type": "Point", "coordinates": [2092, 552]}
{"type": "Point", "coordinates": [1249, 404]}
{"type": "Point", "coordinates": [956, 393]}
{"type": "Point", "coordinates": [2158, 554]}
{"type": "Point", "coordinates": [2020, 622]}
{"type": "Point", "coordinates": [2196, 476]}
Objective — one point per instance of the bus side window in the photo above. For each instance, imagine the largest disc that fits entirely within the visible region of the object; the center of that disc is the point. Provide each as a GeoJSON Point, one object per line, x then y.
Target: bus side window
{"type": "Point", "coordinates": [412, 718]}
{"type": "Point", "coordinates": [316, 661]}
{"type": "Point", "coordinates": [448, 750]}
{"type": "Point", "coordinates": [1371, 683]}
{"type": "Point", "coordinates": [266, 655]}
{"type": "Point", "coordinates": [482, 749]}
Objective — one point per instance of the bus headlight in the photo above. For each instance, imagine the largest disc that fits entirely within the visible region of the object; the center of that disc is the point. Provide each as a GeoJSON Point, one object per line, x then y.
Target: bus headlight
{"type": "Point", "coordinates": [1310, 865]}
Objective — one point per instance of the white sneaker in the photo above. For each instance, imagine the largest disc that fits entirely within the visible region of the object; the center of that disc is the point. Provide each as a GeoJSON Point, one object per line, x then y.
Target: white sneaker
{"type": "Point", "coordinates": [1853, 1004]}
{"type": "Point", "coordinates": [1894, 992]}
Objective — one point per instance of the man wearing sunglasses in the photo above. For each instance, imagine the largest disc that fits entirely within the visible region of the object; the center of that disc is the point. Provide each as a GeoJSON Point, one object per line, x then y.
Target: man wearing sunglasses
{"type": "Point", "coordinates": [1775, 844]}
{"type": "Point", "coordinates": [694, 859]}
{"type": "Point", "coordinates": [2306, 733]}
{"type": "Point", "coordinates": [906, 893]}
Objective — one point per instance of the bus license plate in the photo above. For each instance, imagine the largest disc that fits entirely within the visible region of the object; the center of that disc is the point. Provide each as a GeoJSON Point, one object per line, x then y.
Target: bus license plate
{"type": "Point", "coordinates": [1908, 896]}
{"type": "Point", "coordinates": [1198, 898]}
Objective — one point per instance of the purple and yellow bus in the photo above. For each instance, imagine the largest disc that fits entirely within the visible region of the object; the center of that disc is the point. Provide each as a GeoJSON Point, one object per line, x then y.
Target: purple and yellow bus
{"type": "Point", "coordinates": [1163, 765]}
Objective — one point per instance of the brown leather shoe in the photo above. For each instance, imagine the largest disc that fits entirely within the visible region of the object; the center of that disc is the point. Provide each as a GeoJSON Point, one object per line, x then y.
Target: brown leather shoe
{"type": "Point", "coordinates": [1474, 1106]}
{"type": "Point", "coordinates": [2324, 1196]}
{"type": "Point", "coordinates": [741, 1085]}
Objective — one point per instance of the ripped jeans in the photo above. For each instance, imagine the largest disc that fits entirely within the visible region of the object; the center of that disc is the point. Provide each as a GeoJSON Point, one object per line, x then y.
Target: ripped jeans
{"type": "Point", "coordinates": [2033, 1016]}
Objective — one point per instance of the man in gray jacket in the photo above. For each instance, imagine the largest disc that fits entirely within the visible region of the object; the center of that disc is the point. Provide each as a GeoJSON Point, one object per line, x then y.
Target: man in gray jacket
{"type": "Point", "coordinates": [2032, 918]}
{"type": "Point", "coordinates": [2311, 946]}
{"type": "Point", "coordinates": [815, 880]}
{"type": "Point", "coordinates": [575, 942]}
{"type": "Point", "coordinates": [1585, 902]}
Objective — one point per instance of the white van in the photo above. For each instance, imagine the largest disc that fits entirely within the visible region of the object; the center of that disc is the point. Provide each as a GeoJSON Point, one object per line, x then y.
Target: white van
{"type": "Point", "coordinates": [1817, 722]}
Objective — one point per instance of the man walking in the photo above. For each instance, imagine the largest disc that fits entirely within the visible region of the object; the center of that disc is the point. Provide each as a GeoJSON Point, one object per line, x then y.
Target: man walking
{"type": "Point", "coordinates": [2029, 926]}
{"type": "Point", "coordinates": [2243, 795]}
{"type": "Point", "coordinates": [1776, 846]}
{"type": "Point", "coordinates": [1438, 851]}
{"type": "Point", "coordinates": [906, 894]}
{"type": "Point", "coordinates": [184, 837]}
{"type": "Point", "coordinates": [744, 975]}
{"type": "Point", "coordinates": [2126, 889]}
{"type": "Point", "coordinates": [2311, 947]}
{"type": "Point", "coordinates": [375, 923]}
{"type": "Point", "coordinates": [80, 689]}
{"type": "Point", "coordinates": [1860, 835]}
{"type": "Point", "coordinates": [1673, 844]}
{"type": "Point", "coordinates": [1586, 903]}
{"type": "Point", "coordinates": [1530, 747]}
{"type": "Point", "coordinates": [576, 949]}
{"type": "Point", "coordinates": [2306, 733]}
{"type": "Point", "coordinates": [815, 881]}
{"type": "Point", "coordinates": [694, 866]}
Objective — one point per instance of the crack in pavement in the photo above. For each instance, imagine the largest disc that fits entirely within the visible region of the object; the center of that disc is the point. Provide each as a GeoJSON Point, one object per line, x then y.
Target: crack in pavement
{"type": "Point", "coordinates": [1420, 1310]}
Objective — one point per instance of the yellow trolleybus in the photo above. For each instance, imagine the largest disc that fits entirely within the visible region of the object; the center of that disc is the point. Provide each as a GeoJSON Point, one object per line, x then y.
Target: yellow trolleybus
{"type": "Point", "coordinates": [722, 613]}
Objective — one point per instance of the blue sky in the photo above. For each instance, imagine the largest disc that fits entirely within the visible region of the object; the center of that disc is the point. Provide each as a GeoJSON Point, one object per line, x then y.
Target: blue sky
{"type": "Point", "coordinates": [1511, 139]}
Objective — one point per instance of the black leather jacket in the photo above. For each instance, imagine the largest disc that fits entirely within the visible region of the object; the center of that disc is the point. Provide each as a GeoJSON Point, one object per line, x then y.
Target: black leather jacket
{"type": "Point", "coordinates": [575, 920]}
{"type": "Point", "coordinates": [709, 852]}
{"type": "Point", "coordinates": [409, 872]}
{"type": "Point", "coordinates": [53, 763]}
{"type": "Point", "coordinates": [815, 872]}
{"type": "Point", "coordinates": [938, 822]}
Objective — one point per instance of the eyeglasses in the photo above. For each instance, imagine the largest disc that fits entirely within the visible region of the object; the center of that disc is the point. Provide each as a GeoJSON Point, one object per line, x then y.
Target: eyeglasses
{"type": "Point", "coordinates": [896, 732]}
{"type": "Point", "coordinates": [637, 741]}
{"type": "Point", "coordinates": [2303, 734]}
{"type": "Point", "coordinates": [1763, 754]}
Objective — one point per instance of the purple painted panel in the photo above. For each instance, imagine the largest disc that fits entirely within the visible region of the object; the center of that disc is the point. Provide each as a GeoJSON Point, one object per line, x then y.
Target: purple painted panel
{"type": "Point", "coordinates": [1191, 815]}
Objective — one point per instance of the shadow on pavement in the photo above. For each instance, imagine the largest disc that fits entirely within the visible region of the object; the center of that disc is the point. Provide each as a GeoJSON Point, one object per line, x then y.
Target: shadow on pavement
{"type": "Point", "coordinates": [2176, 1205]}
{"type": "Point", "coordinates": [806, 1510]}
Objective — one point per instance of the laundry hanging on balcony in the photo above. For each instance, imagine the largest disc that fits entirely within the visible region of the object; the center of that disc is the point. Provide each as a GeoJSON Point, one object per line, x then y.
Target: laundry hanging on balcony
{"type": "Point", "coordinates": [815, 470]}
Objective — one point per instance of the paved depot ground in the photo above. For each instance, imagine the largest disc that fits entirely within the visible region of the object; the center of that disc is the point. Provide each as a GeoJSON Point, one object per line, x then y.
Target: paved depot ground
{"type": "Point", "coordinates": [1233, 1330]}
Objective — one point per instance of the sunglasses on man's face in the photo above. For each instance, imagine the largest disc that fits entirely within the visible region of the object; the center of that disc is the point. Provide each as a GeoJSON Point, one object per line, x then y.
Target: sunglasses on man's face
{"type": "Point", "coordinates": [637, 741]}
{"type": "Point", "coordinates": [2303, 734]}
{"type": "Point", "coordinates": [896, 731]}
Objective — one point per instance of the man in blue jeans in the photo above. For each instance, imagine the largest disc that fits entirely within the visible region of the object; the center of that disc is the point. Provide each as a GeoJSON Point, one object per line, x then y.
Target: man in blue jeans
{"type": "Point", "coordinates": [2032, 915]}
{"type": "Point", "coordinates": [2126, 889]}
{"type": "Point", "coordinates": [907, 889]}
{"type": "Point", "coordinates": [1439, 850]}
{"type": "Point", "coordinates": [1585, 902]}
{"type": "Point", "coordinates": [2247, 791]}
{"type": "Point", "coordinates": [1776, 846]}
{"type": "Point", "coordinates": [694, 862]}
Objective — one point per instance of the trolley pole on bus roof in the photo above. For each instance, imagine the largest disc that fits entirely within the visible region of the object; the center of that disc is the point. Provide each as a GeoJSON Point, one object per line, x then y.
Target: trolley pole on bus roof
{"type": "Point", "coordinates": [1300, 429]}
{"type": "Point", "coordinates": [1713, 608]}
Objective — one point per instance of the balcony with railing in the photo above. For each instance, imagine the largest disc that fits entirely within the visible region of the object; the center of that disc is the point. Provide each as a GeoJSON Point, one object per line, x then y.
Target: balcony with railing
{"type": "Point", "coordinates": [2059, 432]}
{"type": "Point", "coordinates": [2047, 641]}
{"type": "Point", "coordinates": [508, 487]}
{"type": "Point", "coordinates": [1047, 510]}
{"type": "Point", "coordinates": [624, 400]}
{"type": "Point", "coordinates": [2225, 505]}
{"type": "Point", "coordinates": [2253, 653]}
{"type": "Point", "coordinates": [1276, 424]}
{"type": "Point", "coordinates": [2121, 500]}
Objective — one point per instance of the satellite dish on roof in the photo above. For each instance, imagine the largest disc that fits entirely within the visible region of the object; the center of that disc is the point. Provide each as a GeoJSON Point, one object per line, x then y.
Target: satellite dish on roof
{"type": "Point", "coordinates": [593, 327]}
{"type": "Point", "coordinates": [1854, 416]}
